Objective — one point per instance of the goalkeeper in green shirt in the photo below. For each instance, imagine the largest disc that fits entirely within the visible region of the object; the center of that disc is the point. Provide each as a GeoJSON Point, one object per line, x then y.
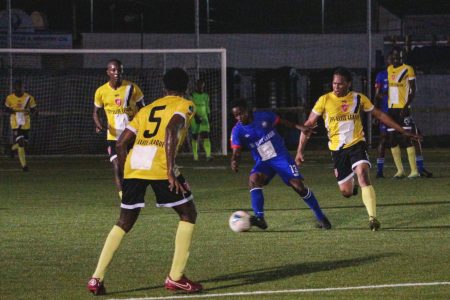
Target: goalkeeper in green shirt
{"type": "Point", "coordinates": [200, 122]}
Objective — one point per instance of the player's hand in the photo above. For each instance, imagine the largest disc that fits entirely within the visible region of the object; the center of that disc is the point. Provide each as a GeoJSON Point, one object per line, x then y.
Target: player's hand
{"type": "Point", "coordinates": [175, 184]}
{"type": "Point", "coordinates": [413, 136]}
{"type": "Point", "coordinates": [98, 129]}
{"type": "Point", "coordinates": [299, 159]}
{"type": "Point", "coordinates": [234, 166]}
{"type": "Point", "coordinates": [198, 119]}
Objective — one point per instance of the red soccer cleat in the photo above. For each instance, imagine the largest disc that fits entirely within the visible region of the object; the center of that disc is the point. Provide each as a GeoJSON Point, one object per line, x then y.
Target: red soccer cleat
{"type": "Point", "coordinates": [183, 284]}
{"type": "Point", "coordinates": [96, 287]}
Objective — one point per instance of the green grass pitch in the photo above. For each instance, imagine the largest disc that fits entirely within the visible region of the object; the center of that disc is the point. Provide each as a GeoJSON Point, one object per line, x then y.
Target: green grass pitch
{"type": "Point", "coordinates": [55, 218]}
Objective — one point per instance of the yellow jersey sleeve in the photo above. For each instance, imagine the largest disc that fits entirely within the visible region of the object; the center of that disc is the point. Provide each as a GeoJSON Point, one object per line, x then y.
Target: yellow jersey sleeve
{"type": "Point", "coordinates": [319, 107]}
{"type": "Point", "coordinates": [98, 99]}
{"type": "Point", "coordinates": [367, 105]}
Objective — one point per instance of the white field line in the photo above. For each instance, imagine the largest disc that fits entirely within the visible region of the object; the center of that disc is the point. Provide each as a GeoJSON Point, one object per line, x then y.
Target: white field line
{"type": "Point", "coordinates": [292, 291]}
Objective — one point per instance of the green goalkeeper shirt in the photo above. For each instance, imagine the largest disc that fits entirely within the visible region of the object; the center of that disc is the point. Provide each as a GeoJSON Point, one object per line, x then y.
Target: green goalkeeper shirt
{"type": "Point", "coordinates": [201, 101]}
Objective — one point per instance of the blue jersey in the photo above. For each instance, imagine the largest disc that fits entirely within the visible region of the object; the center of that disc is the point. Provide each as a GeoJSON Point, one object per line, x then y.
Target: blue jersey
{"type": "Point", "coordinates": [381, 81]}
{"type": "Point", "coordinates": [260, 137]}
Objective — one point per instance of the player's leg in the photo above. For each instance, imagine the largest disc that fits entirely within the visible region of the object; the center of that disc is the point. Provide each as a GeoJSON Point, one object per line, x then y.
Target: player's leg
{"type": "Point", "coordinates": [259, 176]}
{"type": "Point", "coordinates": [194, 141]}
{"type": "Point", "coordinates": [21, 140]}
{"type": "Point", "coordinates": [419, 156]}
{"type": "Point", "coordinates": [394, 143]}
{"type": "Point", "coordinates": [361, 165]}
{"type": "Point", "coordinates": [344, 173]}
{"type": "Point", "coordinates": [184, 206]}
{"type": "Point", "coordinates": [132, 202]}
{"type": "Point", "coordinates": [206, 144]}
{"type": "Point", "coordinates": [381, 151]}
{"type": "Point", "coordinates": [115, 166]}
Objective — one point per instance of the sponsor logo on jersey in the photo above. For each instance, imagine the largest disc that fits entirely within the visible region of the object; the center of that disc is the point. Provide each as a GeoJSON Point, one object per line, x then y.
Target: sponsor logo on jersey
{"type": "Point", "coordinates": [118, 101]}
{"type": "Point", "coordinates": [344, 107]}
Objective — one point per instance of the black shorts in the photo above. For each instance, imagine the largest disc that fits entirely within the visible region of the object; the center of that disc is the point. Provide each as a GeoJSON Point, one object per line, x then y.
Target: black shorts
{"type": "Point", "coordinates": [345, 160]}
{"type": "Point", "coordinates": [112, 149]}
{"type": "Point", "coordinates": [20, 134]}
{"type": "Point", "coordinates": [134, 192]}
{"type": "Point", "coordinates": [406, 121]}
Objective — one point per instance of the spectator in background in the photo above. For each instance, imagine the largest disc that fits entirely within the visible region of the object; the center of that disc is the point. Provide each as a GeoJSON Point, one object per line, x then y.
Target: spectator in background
{"type": "Point", "coordinates": [200, 124]}
{"type": "Point", "coordinates": [120, 99]}
{"type": "Point", "coordinates": [20, 105]}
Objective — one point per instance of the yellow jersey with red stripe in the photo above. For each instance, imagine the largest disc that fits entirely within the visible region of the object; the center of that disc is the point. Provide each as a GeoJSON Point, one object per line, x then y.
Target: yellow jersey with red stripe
{"type": "Point", "coordinates": [119, 105]}
{"type": "Point", "coordinates": [21, 107]}
{"type": "Point", "coordinates": [147, 158]}
{"type": "Point", "coordinates": [399, 85]}
{"type": "Point", "coordinates": [342, 118]}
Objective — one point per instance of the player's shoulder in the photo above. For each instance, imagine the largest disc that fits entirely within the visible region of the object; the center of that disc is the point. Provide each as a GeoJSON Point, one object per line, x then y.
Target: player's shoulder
{"type": "Point", "coordinates": [103, 87]}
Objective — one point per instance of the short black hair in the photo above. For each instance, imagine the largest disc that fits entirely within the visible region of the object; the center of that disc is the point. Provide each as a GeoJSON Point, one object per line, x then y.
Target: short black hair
{"type": "Point", "coordinates": [344, 72]}
{"type": "Point", "coordinates": [239, 103]}
{"type": "Point", "coordinates": [114, 60]}
{"type": "Point", "coordinates": [18, 82]}
{"type": "Point", "coordinates": [176, 80]}
{"type": "Point", "coordinates": [397, 49]}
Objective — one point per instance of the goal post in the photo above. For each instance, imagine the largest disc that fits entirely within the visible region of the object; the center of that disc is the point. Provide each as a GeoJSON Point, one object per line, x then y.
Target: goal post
{"type": "Point", "coordinates": [64, 81]}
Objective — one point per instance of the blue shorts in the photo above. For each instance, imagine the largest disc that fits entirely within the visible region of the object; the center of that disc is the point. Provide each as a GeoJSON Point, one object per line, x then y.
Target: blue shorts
{"type": "Point", "coordinates": [284, 166]}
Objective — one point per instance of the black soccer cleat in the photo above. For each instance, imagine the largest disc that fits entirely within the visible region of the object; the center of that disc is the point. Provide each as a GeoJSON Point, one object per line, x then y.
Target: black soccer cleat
{"type": "Point", "coordinates": [324, 223]}
{"type": "Point", "coordinates": [379, 175]}
{"type": "Point", "coordinates": [258, 222]}
{"type": "Point", "coordinates": [374, 224]}
{"type": "Point", "coordinates": [426, 174]}
{"type": "Point", "coordinates": [25, 169]}
{"type": "Point", "coordinates": [355, 190]}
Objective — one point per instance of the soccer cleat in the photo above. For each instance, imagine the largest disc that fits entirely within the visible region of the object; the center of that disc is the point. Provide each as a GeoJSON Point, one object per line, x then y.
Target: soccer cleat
{"type": "Point", "coordinates": [324, 223]}
{"type": "Point", "coordinates": [209, 158]}
{"type": "Point", "coordinates": [25, 169]}
{"type": "Point", "coordinates": [374, 224]}
{"type": "Point", "coordinates": [258, 222]}
{"type": "Point", "coordinates": [413, 175]}
{"type": "Point", "coordinates": [399, 175]}
{"type": "Point", "coordinates": [380, 175]}
{"type": "Point", "coordinates": [183, 284]}
{"type": "Point", "coordinates": [96, 287]}
{"type": "Point", "coordinates": [426, 174]}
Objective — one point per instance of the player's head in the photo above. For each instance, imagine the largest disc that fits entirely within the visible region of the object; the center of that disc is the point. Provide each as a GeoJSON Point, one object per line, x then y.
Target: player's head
{"type": "Point", "coordinates": [342, 81]}
{"type": "Point", "coordinates": [396, 55]}
{"type": "Point", "coordinates": [114, 70]}
{"type": "Point", "coordinates": [388, 60]}
{"type": "Point", "coordinates": [176, 81]}
{"type": "Point", "coordinates": [240, 111]}
{"type": "Point", "coordinates": [17, 85]}
{"type": "Point", "coordinates": [200, 85]}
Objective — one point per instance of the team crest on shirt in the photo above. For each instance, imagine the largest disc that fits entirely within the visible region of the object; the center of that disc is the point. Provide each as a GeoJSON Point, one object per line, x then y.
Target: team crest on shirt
{"type": "Point", "coordinates": [264, 124]}
{"type": "Point", "coordinates": [344, 107]}
{"type": "Point", "coordinates": [118, 101]}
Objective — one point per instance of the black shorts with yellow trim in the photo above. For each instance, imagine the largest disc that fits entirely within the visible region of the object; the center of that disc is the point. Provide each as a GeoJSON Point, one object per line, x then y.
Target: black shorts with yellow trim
{"type": "Point", "coordinates": [346, 160]}
{"type": "Point", "coordinates": [112, 149]}
{"type": "Point", "coordinates": [20, 134]}
{"type": "Point", "coordinates": [134, 193]}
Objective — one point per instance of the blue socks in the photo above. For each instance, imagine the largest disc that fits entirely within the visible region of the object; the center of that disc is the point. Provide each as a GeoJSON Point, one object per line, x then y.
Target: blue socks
{"type": "Point", "coordinates": [419, 163]}
{"type": "Point", "coordinates": [257, 197]}
{"type": "Point", "coordinates": [311, 201]}
{"type": "Point", "coordinates": [380, 165]}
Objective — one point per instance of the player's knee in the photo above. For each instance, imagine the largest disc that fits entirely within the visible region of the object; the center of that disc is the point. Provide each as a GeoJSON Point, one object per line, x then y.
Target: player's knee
{"type": "Point", "coordinates": [255, 180]}
{"type": "Point", "coordinates": [21, 141]}
{"type": "Point", "coordinates": [125, 225]}
{"type": "Point", "coordinates": [347, 194]}
{"type": "Point", "coordinates": [189, 216]}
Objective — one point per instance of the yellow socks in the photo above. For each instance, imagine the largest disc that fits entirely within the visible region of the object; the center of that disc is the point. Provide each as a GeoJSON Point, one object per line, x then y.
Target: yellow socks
{"type": "Point", "coordinates": [111, 244]}
{"type": "Point", "coordinates": [120, 195]}
{"type": "Point", "coordinates": [397, 155]}
{"type": "Point", "coordinates": [412, 162]}
{"type": "Point", "coordinates": [183, 240]}
{"type": "Point", "coordinates": [15, 147]}
{"type": "Point", "coordinates": [370, 200]}
{"type": "Point", "coordinates": [21, 152]}
{"type": "Point", "coordinates": [195, 149]}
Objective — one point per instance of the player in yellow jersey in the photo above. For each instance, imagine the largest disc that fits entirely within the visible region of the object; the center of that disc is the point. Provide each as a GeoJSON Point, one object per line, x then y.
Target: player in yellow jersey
{"type": "Point", "coordinates": [402, 89]}
{"type": "Point", "coordinates": [158, 130]}
{"type": "Point", "coordinates": [341, 110]}
{"type": "Point", "coordinates": [20, 105]}
{"type": "Point", "coordinates": [120, 99]}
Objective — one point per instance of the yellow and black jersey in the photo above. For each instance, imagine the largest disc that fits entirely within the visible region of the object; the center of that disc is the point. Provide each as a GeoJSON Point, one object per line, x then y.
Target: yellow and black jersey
{"type": "Point", "coordinates": [147, 158]}
{"type": "Point", "coordinates": [119, 105]}
{"type": "Point", "coordinates": [21, 107]}
{"type": "Point", "coordinates": [342, 118]}
{"type": "Point", "coordinates": [399, 85]}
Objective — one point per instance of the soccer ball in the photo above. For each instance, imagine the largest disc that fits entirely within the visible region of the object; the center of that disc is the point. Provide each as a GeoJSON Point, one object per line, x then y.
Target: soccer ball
{"type": "Point", "coordinates": [240, 221]}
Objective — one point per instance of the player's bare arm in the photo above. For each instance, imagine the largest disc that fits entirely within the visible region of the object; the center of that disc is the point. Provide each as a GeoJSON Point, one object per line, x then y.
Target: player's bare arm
{"type": "Point", "coordinates": [411, 95]}
{"type": "Point", "coordinates": [235, 159]}
{"type": "Point", "coordinates": [126, 138]}
{"type": "Point", "coordinates": [302, 127]}
{"type": "Point", "coordinates": [311, 123]}
{"type": "Point", "coordinates": [98, 124]}
{"type": "Point", "coordinates": [385, 119]}
{"type": "Point", "coordinates": [176, 123]}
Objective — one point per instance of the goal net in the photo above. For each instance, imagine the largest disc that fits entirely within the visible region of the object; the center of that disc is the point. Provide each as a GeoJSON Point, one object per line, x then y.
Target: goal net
{"type": "Point", "coordinates": [64, 82]}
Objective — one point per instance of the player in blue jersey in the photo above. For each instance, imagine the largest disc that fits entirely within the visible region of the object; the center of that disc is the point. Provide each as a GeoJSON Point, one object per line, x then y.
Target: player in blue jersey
{"type": "Point", "coordinates": [381, 101]}
{"type": "Point", "coordinates": [256, 130]}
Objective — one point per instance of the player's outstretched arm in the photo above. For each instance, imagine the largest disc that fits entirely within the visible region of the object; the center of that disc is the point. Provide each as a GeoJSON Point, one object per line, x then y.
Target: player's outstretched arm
{"type": "Point", "coordinates": [125, 139]}
{"type": "Point", "coordinates": [176, 123]}
{"type": "Point", "coordinates": [304, 136]}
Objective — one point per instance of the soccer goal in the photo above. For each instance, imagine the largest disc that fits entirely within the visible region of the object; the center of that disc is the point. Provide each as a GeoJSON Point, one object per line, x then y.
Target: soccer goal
{"type": "Point", "coordinates": [63, 83]}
